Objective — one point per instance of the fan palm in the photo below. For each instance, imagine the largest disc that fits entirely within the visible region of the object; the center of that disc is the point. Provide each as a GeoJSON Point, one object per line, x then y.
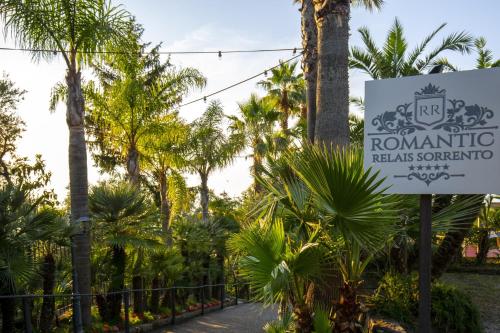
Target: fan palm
{"type": "Point", "coordinates": [22, 224]}
{"type": "Point", "coordinates": [77, 30]}
{"type": "Point", "coordinates": [395, 59]}
{"type": "Point", "coordinates": [332, 90]}
{"type": "Point", "coordinates": [257, 120]}
{"type": "Point", "coordinates": [211, 148]}
{"type": "Point", "coordinates": [122, 219]}
{"type": "Point", "coordinates": [284, 91]}
{"type": "Point", "coordinates": [327, 200]}
{"type": "Point", "coordinates": [280, 270]}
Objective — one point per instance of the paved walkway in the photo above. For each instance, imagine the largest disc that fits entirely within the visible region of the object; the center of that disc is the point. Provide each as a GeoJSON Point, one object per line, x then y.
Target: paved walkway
{"type": "Point", "coordinates": [244, 318]}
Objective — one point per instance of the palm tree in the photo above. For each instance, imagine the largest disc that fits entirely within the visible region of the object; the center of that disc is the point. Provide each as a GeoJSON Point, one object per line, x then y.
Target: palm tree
{"type": "Point", "coordinates": [395, 59]}
{"type": "Point", "coordinates": [489, 221]}
{"type": "Point", "coordinates": [77, 30]}
{"type": "Point", "coordinates": [137, 91]}
{"type": "Point", "coordinates": [319, 194]}
{"type": "Point", "coordinates": [257, 121]}
{"type": "Point", "coordinates": [211, 148]}
{"type": "Point", "coordinates": [164, 156]}
{"type": "Point", "coordinates": [332, 99]}
{"type": "Point", "coordinates": [280, 270]}
{"type": "Point", "coordinates": [309, 61]}
{"type": "Point", "coordinates": [121, 216]}
{"type": "Point", "coordinates": [283, 88]}
{"type": "Point", "coordinates": [485, 56]}
{"type": "Point", "coordinates": [23, 222]}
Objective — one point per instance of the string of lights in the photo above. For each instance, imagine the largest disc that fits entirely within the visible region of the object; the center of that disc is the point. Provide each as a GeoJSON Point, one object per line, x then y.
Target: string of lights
{"type": "Point", "coordinates": [264, 72]}
{"type": "Point", "coordinates": [219, 53]}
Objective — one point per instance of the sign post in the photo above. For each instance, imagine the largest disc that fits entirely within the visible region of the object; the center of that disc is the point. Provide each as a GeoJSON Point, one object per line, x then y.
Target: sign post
{"type": "Point", "coordinates": [434, 134]}
{"type": "Point", "coordinates": [424, 264]}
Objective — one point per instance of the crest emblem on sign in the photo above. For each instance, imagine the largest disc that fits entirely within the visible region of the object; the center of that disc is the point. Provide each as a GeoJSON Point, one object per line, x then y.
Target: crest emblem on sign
{"type": "Point", "coordinates": [430, 105]}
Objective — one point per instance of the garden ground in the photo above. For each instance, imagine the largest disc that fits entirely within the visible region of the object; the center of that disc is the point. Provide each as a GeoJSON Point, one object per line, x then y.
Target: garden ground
{"type": "Point", "coordinates": [485, 293]}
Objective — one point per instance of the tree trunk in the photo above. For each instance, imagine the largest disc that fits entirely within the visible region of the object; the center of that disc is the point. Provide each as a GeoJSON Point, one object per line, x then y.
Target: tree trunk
{"type": "Point", "coordinates": [155, 295]}
{"type": "Point", "coordinates": [204, 196]}
{"type": "Point", "coordinates": [452, 242]}
{"type": "Point", "coordinates": [347, 312]}
{"type": "Point", "coordinates": [285, 112]}
{"type": "Point", "coordinates": [304, 320]}
{"type": "Point", "coordinates": [8, 306]}
{"type": "Point", "coordinates": [48, 304]}
{"type": "Point", "coordinates": [165, 209]}
{"type": "Point", "coordinates": [78, 185]}
{"type": "Point", "coordinates": [117, 284]}
{"type": "Point", "coordinates": [138, 294]}
{"type": "Point", "coordinates": [483, 247]}
{"type": "Point", "coordinates": [440, 201]}
{"type": "Point", "coordinates": [257, 167]}
{"type": "Point", "coordinates": [133, 165]}
{"type": "Point", "coordinates": [332, 95]}
{"type": "Point", "coordinates": [309, 62]}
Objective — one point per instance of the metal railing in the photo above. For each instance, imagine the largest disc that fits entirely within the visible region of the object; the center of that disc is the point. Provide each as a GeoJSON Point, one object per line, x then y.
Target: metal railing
{"type": "Point", "coordinates": [176, 298]}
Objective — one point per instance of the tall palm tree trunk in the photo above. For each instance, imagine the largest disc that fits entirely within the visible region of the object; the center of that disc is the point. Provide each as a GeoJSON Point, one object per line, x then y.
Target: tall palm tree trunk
{"type": "Point", "coordinates": [155, 295]}
{"type": "Point", "coordinates": [452, 242]}
{"type": "Point", "coordinates": [257, 167]}
{"type": "Point", "coordinates": [133, 165]}
{"type": "Point", "coordinates": [138, 296]}
{"type": "Point", "coordinates": [285, 112]}
{"type": "Point", "coordinates": [204, 196]}
{"type": "Point", "coordinates": [78, 183]}
{"type": "Point", "coordinates": [332, 97]}
{"type": "Point", "coordinates": [114, 301]}
{"type": "Point", "coordinates": [165, 210]}
{"type": "Point", "coordinates": [48, 305]}
{"type": "Point", "coordinates": [309, 62]}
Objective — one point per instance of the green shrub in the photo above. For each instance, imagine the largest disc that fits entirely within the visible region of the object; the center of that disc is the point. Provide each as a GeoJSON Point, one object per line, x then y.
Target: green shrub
{"type": "Point", "coordinates": [396, 298]}
{"type": "Point", "coordinates": [452, 311]}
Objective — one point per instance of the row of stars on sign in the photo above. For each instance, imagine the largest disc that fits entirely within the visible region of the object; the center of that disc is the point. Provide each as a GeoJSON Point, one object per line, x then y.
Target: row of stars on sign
{"type": "Point", "coordinates": [429, 167]}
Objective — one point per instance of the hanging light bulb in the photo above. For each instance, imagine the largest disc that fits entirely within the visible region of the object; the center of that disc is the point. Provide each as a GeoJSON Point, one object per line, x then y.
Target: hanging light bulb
{"type": "Point", "coordinates": [294, 50]}
{"type": "Point", "coordinates": [205, 99]}
{"type": "Point", "coordinates": [220, 55]}
{"type": "Point", "coordinates": [265, 73]}
{"type": "Point", "coordinates": [54, 52]}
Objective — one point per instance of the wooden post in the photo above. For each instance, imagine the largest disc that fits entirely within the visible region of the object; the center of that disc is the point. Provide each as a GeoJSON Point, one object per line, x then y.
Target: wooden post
{"type": "Point", "coordinates": [424, 264]}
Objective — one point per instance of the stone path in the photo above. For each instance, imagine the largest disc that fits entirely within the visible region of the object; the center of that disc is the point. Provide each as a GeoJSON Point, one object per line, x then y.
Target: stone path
{"type": "Point", "coordinates": [243, 318]}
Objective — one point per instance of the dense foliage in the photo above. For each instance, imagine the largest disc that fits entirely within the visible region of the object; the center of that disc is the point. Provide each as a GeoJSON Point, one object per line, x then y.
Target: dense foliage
{"type": "Point", "coordinates": [452, 310]}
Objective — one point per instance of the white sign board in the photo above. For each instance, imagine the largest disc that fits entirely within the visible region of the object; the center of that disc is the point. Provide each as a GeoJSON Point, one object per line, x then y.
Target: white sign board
{"type": "Point", "coordinates": [437, 133]}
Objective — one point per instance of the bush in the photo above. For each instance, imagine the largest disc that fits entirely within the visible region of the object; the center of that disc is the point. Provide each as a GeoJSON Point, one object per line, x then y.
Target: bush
{"type": "Point", "coordinates": [452, 311]}
{"type": "Point", "coordinates": [396, 298]}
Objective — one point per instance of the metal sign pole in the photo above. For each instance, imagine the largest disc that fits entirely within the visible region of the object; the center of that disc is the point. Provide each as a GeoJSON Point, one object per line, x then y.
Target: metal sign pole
{"type": "Point", "coordinates": [424, 264]}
